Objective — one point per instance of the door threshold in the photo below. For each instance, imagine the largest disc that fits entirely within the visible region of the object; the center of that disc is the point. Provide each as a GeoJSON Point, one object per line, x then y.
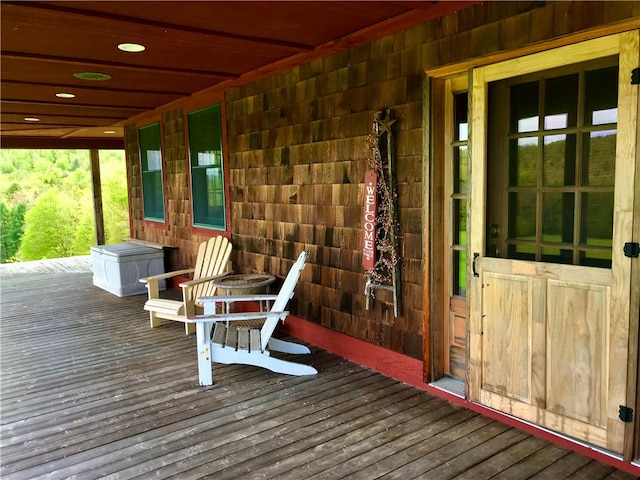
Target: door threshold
{"type": "Point", "coordinates": [450, 385]}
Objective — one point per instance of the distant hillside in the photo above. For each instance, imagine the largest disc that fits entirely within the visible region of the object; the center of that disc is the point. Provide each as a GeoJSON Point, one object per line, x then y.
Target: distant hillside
{"type": "Point", "coordinates": [46, 206]}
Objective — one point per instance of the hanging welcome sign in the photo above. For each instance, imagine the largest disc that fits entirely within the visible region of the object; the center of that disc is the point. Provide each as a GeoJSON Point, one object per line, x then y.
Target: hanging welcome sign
{"type": "Point", "coordinates": [369, 219]}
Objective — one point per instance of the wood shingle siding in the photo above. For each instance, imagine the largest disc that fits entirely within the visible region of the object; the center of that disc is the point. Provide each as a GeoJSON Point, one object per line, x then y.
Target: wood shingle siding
{"type": "Point", "coordinates": [296, 157]}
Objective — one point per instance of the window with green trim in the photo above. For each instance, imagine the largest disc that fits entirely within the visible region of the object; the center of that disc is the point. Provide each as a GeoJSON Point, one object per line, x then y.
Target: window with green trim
{"type": "Point", "coordinates": [207, 172]}
{"type": "Point", "coordinates": [152, 178]}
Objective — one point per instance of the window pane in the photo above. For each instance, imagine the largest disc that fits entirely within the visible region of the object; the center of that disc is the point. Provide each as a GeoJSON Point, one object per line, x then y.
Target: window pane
{"type": "Point", "coordinates": [207, 173]}
{"type": "Point", "coordinates": [522, 252]}
{"type": "Point", "coordinates": [460, 170]}
{"type": "Point", "coordinates": [522, 215]}
{"type": "Point", "coordinates": [151, 166]}
{"type": "Point", "coordinates": [523, 162]}
{"type": "Point", "coordinates": [561, 102]}
{"type": "Point", "coordinates": [559, 160]}
{"type": "Point", "coordinates": [597, 219]}
{"type": "Point", "coordinates": [596, 258]}
{"type": "Point", "coordinates": [557, 217]}
{"type": "Point", "coordinates": [460, 222]}
{"type": "Point", "coordinates": [460, 117]}
{"type": "Point", "coordinates": [598, 167]}
{"type": "Point", "coordinates": [601, 96]}
{"type": "Point", "coordinates": [557, 255]}
{"type": "Point", "coordinates": [524, 107]}
{"type": "Point", "coordinates": [459, 272]}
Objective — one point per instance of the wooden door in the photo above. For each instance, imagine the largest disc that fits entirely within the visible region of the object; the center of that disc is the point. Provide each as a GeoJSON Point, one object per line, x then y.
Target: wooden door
{"type": "Point", "coordinates": [548, 283]}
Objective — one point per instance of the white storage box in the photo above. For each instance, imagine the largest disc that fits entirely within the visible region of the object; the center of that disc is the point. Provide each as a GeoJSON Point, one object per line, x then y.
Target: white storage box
{"type": "Point", "coordinates": [119, 268]}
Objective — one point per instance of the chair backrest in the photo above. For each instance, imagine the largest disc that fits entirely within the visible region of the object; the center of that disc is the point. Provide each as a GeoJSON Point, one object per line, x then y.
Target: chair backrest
{"type": "Point", "coordinates": [285, 294]}
{"type": "Point", "coordinates": [213, 257]}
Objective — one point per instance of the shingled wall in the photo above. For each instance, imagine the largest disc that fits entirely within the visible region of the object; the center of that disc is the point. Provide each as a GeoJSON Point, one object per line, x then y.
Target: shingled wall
{"type": "Point", "coordinates": [296, 154]}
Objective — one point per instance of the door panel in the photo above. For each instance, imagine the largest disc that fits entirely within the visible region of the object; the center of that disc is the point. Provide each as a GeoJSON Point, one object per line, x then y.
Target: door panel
{"type": "Point", "coordinates": [506, 339]}
{"type": "Point", "coordinates": [578, 321]}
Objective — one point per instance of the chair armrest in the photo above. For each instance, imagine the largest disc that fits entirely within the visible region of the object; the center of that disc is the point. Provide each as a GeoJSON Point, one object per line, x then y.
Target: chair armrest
{"type": "Point", "coordinates": [190, 283]}
{"type": "Point", "coordinates": [163, 276]}
{"type": "Point", "coordinates": [223, 317]}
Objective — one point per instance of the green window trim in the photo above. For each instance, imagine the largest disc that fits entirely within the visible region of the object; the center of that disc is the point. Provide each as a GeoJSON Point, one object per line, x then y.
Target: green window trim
{"type": "Point", "coordinates": [151, 166]}
{"type": "Point", "coordinates": [208, 181]}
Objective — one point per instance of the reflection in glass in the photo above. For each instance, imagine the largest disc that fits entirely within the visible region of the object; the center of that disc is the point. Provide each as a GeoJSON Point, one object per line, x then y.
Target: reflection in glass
{"type": "Point", "coordinates": [595, 258]}
{"type": "Point", "coordinates": [460, 117]}
{"type": "Point", "coordinates": [522, 215]}
{"type": "Point", "coordinates": [209, 158]}
{"type": "Point", "coordinates": [461, 170]}
{"type": "Point", "coordinates": [601, 96]}
{"type": "Point", "coordinates": [523, 161]}
{"type": "Point", "coordinates": [603, 117]}
{"type": "Point", "coordinates": [154, 161]}
{"type": "Point", "coordinates": [522, 252]}
{"type": "Point", "coordinates": [459, 272]}
{"type": "Point", "coordinates": [554, 122]}
{"type": "Point", "coordinates": [524, 107]}
{"type": "Point", "coordinates": [599, 158]}
{"type": "Point", "coordinates": [559, 160]}
{"type": "Point", "coordinates": [597, 219]}
{"type": "Point", "coordinates": [561, 102]}
{"type": "Point", "coordinates": [557, 255]}
{"type": "Point", "coordinates": [557, 217]}
{"type": "Point", "coordinates": [460, 222]}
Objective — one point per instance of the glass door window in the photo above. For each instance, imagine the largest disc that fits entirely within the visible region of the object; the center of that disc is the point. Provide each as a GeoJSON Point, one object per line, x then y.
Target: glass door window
{"type": "Point", "coordinates": [559, 158]}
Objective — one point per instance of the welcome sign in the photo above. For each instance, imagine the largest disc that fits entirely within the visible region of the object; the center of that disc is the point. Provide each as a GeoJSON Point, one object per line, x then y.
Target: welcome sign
{"type": "Point", "coordinates": [369, 216]}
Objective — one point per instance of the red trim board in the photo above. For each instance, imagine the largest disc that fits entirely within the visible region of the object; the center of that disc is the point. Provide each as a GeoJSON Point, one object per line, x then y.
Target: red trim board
{"type": "Point", "coordinates": [409, 370]}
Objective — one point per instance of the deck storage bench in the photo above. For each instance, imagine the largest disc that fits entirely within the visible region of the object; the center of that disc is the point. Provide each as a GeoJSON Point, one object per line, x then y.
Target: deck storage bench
{"type": "Point", "coordinates": [119, 268]}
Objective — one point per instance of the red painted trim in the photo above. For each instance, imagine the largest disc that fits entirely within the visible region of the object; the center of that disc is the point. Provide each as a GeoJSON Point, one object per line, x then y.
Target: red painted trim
{"type": "Point", "coordinates": [409, 370]}
{"type": "Point", "coordinates": [154, 224]}
{"type": "Point", "coordinates": [209, 232]}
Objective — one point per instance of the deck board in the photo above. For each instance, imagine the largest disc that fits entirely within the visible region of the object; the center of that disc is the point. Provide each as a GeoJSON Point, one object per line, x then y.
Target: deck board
{"type": "Point", "coordinates": [88, 390]}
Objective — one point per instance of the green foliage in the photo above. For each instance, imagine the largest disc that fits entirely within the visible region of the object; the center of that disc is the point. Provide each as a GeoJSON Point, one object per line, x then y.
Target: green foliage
{"type": "Point", "coordinates": [28, 178]}
{"type": "Point", "coordinates": [11, 230]}
{"type": "Point", "coordinates": [50, 227]}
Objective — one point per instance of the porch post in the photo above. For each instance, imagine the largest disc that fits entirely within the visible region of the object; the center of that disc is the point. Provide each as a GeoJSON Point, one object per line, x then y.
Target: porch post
{"type": "Point", "coordinates": [97, 197]}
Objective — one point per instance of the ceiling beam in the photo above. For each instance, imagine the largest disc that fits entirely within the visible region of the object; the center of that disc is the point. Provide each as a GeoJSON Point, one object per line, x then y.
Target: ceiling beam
{"type": "Point", "coordinates": [124, 66]}
{"type": "Point", "coordinates": [75, 87]}
{"type": "Point", "coordinates": [53, 143]}
{"type": "Point", "coordinates": [163, 25]}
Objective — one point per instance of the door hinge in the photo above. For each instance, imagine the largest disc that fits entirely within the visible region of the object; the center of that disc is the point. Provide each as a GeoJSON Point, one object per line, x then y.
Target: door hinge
{"type": "Point", "coordinates": [626, 414]}
{"type": "Point", "coordinates": [635, 76]}
{"type": "Point", "coordinates": [631, 249]}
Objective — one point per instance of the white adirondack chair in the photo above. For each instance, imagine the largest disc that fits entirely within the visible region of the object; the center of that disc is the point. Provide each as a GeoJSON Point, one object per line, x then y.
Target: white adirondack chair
{"type": "Point", "coordinates": [246, 337]}
{"type": "Point", "coordinates": [211, 264]}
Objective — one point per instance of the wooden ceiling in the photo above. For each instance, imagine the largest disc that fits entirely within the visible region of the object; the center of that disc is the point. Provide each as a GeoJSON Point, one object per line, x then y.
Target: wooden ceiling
{"type": "Point", "coordinates": [190, 46]}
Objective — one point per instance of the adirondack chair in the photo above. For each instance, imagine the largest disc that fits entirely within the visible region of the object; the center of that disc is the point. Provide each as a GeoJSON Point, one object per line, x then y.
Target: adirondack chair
{"type": "Point", "coordinates": [246, 337]}
{"type": "Point", "coordinates": [211, 263]}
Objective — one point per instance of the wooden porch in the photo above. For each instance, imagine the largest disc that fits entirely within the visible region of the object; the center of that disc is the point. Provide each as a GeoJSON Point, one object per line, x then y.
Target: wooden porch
{"type": "Point", "coordinates": [90, 391]}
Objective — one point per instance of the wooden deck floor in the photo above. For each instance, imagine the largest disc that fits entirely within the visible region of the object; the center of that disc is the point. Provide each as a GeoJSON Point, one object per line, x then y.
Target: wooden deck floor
{"type": "Point", "coordinates": [88, 390]}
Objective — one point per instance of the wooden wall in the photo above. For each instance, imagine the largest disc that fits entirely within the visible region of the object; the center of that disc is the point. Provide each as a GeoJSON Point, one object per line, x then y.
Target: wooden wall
{"type": "Point", "coordinates": [296, 157]}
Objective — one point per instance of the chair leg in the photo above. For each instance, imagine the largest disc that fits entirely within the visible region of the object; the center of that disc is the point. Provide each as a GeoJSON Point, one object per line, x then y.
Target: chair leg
{"type": "Point", "coordinates": [231, 355]}
{"type": "Point", "coordinates": [154, 320]}
{"type": "Point", "coordinates": [189, 328]}
{"type": "Point", "coordinates": [203, 342]}
{"type": "Point", "coordinates": [278, 345]}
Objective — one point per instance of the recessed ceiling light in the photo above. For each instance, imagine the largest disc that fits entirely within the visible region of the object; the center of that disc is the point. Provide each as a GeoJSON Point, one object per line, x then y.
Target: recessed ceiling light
{"type": "Point", "coordinates": [109, 132]}
{"type": "Point", "coordinates": [92, 76]}
{"type": "Point", "coordinates": [65, 95]}
{"type": "Point", "coordinates": [31, 119]}
{"type": "Point", "coordinates": [132, 47]}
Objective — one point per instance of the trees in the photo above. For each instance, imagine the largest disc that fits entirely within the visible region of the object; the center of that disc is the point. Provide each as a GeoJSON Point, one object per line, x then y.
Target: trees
{"type": "Point", "coordinates": [50, 227]}
{"type": "Point", "coordinates": [47, 195]}
{"type": "Point", "coordinates": [11, 230]}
